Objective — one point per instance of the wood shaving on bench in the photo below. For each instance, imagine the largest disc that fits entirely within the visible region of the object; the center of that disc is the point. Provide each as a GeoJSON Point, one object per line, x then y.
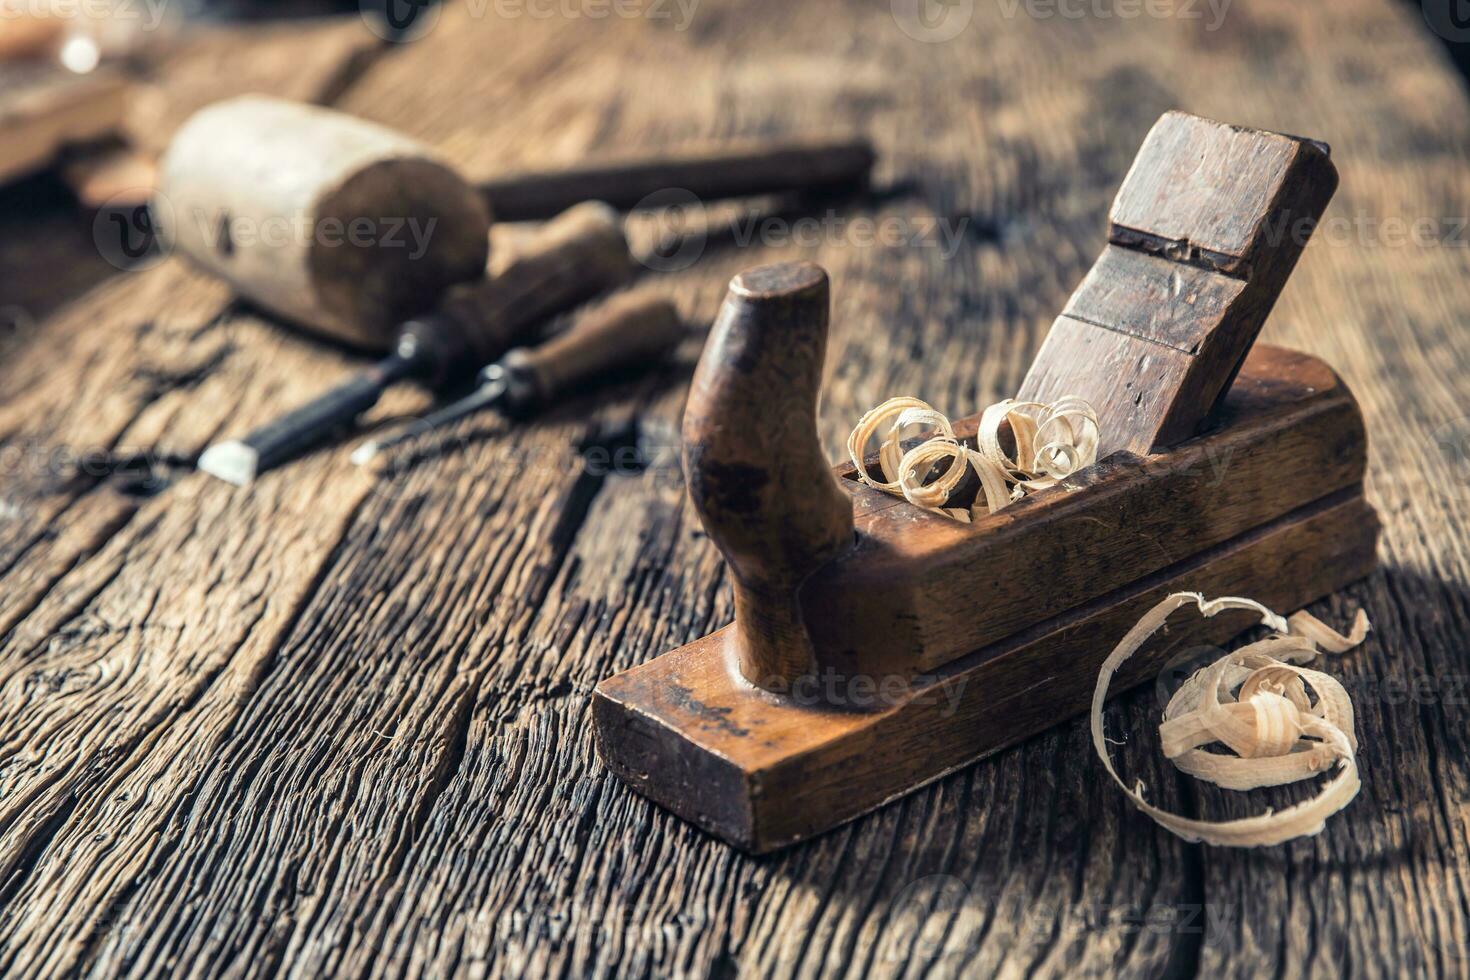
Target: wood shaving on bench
{"type": "Point", "coordinates": [1255, 701]}
{"type": "Point", "coordinates": [1051, 443]}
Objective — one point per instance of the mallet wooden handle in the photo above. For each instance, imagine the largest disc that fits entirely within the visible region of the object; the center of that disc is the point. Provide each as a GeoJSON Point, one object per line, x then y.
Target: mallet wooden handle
{"type": "Point", "coordinates": [349, 228]}
{"type": "Point", "coordinates": [737, 172]}
{"type": "Point", "coordinates": [754, 464]}
{"type": "Point", "coordinates": [627, 330]}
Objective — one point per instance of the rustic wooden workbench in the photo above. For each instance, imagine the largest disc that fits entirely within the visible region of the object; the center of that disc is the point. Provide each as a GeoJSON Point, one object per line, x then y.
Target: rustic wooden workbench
{"type": "Point", "coordinates": [338, 725]}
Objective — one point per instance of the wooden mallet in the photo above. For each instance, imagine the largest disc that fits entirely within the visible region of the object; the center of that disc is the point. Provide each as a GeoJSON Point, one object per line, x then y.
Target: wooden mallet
{"type": "Point", "coordinates": [349, 228]}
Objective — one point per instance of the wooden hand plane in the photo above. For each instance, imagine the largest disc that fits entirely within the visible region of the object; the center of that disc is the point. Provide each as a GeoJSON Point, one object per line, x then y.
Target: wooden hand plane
{"type": "Point", "coordinates": [878, 646]}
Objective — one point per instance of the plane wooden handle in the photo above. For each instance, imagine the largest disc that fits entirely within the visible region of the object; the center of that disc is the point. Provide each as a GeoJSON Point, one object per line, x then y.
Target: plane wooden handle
{"type": "Point", "coordinates": [735, 172]}
{"type": "Point", "coordinates": [628, 329]}
{"type": "Point", "coordinates": [754, 464]}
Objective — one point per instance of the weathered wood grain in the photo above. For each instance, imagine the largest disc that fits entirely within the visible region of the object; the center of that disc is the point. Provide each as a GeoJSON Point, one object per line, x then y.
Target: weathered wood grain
{"type": "Point", "coordinates": [904, 599]}
{"type": "Point", "coordinates": [314, 60]}
{"type": "Point", "coordinates": [764, 774]}
{"type": "Point", "coordinates": [339, 726]}
{"type": "Point", "coordinates": [1203, 235]}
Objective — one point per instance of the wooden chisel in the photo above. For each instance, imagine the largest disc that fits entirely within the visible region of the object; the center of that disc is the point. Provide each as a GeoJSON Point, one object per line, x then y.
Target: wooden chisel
{"type": "Point", "coordinates": [575, 257]}
{"type": "Point", "coordinates": [625, 331]}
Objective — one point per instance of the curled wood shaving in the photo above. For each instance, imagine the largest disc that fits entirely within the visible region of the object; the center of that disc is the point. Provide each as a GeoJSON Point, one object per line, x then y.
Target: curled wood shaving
{"type": "Point", "coordinates": [1256, 702]}
{"type": "Point", "coordinates": [892, 418]}
{"type": "Point", "coordinates": [1051, 443]}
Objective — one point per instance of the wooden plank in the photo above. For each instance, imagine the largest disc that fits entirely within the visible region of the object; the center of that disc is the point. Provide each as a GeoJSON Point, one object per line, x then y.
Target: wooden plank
{"type": "Point", "coordinates": [523, 677]}
{"type": "Point", "coordinates": [124, 372]}
{"type": "Point", "coordinates": [60, 446]}
{"type": "Point", "coordinates": [1225, 191]}
{"type": "Point", "coordinates": [1153, 298]}
{"type": "Point", "coordinates": [481, 835]}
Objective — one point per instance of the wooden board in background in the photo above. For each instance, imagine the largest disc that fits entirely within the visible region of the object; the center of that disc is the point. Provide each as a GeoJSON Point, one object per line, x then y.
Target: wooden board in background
{"type": "Point", "coordinates": [44, 109]}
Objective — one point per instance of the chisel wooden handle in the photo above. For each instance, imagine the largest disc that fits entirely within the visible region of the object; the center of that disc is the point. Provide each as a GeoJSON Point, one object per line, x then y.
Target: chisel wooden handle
{"type": "Point", "coordinates": [580, 254]}
{"type": "Point", "coordinates": [626, 330]}
{"type": "Point", "coordinates": [738, 172]}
